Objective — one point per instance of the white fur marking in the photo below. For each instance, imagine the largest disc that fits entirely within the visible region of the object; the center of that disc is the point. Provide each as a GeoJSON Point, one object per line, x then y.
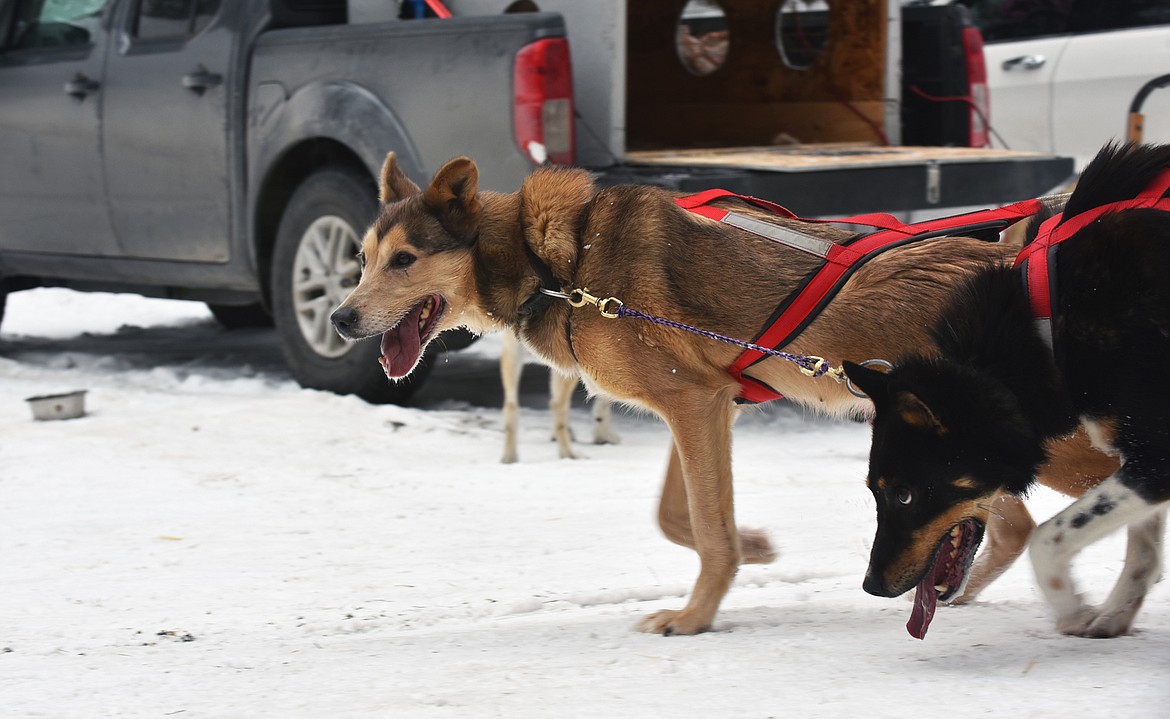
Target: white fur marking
{"type": "Point", "coordinates": [1099, 512]}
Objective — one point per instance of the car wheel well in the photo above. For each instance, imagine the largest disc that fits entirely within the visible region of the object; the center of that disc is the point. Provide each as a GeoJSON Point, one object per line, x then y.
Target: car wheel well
{"type": "Point", "coordinates": [284, 177]}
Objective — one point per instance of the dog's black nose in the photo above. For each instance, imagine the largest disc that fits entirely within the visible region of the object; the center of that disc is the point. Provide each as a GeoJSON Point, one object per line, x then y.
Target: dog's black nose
{"type": "Point", "coordinates": [344, 319]}
{"type": "Point", "coordinates": [874, 584]}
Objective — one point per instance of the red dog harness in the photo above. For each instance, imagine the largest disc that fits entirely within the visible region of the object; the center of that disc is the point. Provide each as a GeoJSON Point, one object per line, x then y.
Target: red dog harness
{"type": "Point", "coordinates": [840, 260]}
{"type": "Point", "coordinates": [1035, 260]}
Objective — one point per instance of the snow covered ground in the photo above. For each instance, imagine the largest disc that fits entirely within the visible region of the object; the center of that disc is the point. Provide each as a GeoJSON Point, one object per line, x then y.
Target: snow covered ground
{"type": "Point", "coordinates": [213, 541]}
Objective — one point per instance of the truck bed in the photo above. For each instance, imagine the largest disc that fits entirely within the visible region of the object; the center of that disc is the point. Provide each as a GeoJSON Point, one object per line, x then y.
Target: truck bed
{"type": "Point", "coordinates": [855, 177]}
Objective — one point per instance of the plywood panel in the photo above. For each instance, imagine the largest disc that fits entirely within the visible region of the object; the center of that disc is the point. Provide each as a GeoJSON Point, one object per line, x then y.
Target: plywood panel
{"type": "Point", "coordinates": [753, 96]}
{"type": "Point", "coordinates": [678, 124]}
{"type": "Point", "coordinates": [821, 156]}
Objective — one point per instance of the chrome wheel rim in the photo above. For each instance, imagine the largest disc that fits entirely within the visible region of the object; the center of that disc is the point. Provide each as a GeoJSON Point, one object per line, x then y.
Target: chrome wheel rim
{"type": "Point", "coordinates": [325, 270]}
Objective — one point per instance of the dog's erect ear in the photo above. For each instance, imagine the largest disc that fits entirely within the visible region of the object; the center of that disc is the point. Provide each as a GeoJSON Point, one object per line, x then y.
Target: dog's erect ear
{"type": "Point", "coordinates": [453, 195]}
{"type": "Point", "coordinates": [915, 413]}
{"type": "Point", "coordinates": [395, 184]}
{"type": "Point", "coordinates": [873, 383]}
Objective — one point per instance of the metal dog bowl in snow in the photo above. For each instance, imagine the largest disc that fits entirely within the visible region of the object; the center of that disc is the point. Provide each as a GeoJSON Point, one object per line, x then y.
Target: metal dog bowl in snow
{"type": "Point", "coordinates": [68, 405]}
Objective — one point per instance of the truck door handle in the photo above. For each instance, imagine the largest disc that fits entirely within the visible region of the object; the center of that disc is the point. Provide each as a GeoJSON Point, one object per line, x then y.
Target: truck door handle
{"type": "Point", "coordinates": [80, 86]}
{"type": "Point", "coordinates": [1025, 62]}
{"type": "Point", "coordinates": [200, 80]}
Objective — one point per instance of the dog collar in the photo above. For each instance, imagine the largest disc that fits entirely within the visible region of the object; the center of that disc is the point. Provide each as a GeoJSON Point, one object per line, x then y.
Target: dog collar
{"type": "Point", "coordinates": [539, 300]}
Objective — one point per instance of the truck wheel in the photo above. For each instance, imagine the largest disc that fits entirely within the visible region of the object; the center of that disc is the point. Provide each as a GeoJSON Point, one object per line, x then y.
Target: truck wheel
{"type": "Point", "coordinates": [314, 268]}
{"type": "Point", "coordinates": [235, 317]}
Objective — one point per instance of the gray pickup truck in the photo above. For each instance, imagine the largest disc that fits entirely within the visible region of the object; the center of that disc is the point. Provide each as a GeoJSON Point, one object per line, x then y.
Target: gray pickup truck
{"type": "Point", "coordinates": [225, 150]}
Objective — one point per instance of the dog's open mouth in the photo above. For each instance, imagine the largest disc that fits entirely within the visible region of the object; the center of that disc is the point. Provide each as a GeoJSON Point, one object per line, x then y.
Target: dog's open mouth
{"type": "Point", "coordinates": [403, 343]}
{"type": "Point", "coordinates": [946, 576]}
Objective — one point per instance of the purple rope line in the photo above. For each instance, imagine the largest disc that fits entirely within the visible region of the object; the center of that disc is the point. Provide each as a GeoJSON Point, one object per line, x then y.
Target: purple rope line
{"type": "Point", "coordinates": [807, 362]}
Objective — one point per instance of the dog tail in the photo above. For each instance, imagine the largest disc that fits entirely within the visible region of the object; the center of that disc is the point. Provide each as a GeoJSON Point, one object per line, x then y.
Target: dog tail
{"type": "Point", "coordinates": [1118, 172]}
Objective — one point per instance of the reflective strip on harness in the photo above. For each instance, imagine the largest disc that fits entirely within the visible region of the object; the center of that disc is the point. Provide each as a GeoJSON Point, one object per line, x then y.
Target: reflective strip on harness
{"type": "Point", "coordinates": [779, 233]}
{"type": "Point", "coordinates": [801, 306]}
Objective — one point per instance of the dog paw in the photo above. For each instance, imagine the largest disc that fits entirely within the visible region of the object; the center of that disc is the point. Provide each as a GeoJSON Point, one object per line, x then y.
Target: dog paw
{"type": "Point", "coordinates": [1076, 621]}
{"type": "Point", "coordinates": [510, 457]}
{"type": "Point", "coordinates": [1080, 623]}
{"type": "Point", "coordinates": [1108, 626]}
{"type": "Point", "coordinates": [671, 622]}
{"type": "Point", "coordinates": [1095, 624]}
{"type": "Point", "coordinates": [755, 547]}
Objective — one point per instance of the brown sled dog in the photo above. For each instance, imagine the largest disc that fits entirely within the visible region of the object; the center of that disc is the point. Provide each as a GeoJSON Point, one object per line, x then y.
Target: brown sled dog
{"type": "Point", "coordinates": [453, 256]}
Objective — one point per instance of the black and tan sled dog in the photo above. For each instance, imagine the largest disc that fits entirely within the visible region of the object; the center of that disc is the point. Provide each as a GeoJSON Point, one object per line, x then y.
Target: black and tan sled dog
{"type": "Point", "coordinates": [955, 429]}
{"type": "Point", "coordinates": [452, 256]}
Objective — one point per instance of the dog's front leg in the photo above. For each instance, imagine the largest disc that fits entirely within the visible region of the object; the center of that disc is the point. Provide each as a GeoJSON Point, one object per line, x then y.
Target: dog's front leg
{"type": "Point", "coordinates": [1096, 514]}
{"type": "Point", "coordinates": [701, 425]}
{"type": "Point", "coordinates": [1143, 568]}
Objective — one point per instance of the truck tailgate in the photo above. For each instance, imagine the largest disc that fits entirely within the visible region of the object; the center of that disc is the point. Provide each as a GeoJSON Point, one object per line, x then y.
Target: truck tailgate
{"type": "Point", "coordinates": [845, 178]}
{"type": "Point", "coordinates": [427, 89]}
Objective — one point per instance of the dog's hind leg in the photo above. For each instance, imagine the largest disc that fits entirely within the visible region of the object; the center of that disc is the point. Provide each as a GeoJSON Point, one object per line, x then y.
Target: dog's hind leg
{"type": "Point", "coordinates": [511, 366]}
{"type": "Point", "coordinates": [674, 518]}
{"type": "Point", "coordinates": [1009, 528]}
{"type": "Point", "coordinates": [561, 388]}
{"type": "Point", "coordinates": [1103, 509]}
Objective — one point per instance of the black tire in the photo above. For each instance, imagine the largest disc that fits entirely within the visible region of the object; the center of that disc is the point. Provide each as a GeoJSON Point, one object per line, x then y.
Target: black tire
{"type": "Point", "coordinates": [235, 317]}
{"type": "Point", "coordinates": [3, 299]}
{"type": "Point", "coordinates": [330, 209]}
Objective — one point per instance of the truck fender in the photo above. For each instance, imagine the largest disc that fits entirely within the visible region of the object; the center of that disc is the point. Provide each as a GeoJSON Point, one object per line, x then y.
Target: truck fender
{"type": "Point", "coordinates": [342, 111]}
{"type": "Point", "coordinates": [291, 136]}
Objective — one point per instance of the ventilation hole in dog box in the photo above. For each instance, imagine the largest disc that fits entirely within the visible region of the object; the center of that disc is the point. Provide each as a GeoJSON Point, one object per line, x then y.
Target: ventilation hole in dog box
{"type": "Point", "coordinates": [702, 38]}
{"type": "Point", "coordinates": [802, 32]}
{"type": "Point", "coordinates": [522, 6]}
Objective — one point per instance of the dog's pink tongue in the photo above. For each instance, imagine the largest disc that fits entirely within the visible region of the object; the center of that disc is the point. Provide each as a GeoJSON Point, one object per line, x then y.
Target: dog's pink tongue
{"type": "Point", "coordinates": [401, 346]}
{"type": "Point", "coordinates": [925, 602]}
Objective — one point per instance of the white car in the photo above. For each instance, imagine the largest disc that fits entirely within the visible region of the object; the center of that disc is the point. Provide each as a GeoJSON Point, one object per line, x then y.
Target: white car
{"type": "Point", "coordinates": [1062, 74]}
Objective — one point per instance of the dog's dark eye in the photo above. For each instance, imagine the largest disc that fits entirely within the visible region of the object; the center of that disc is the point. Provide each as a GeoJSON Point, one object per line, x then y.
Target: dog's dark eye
{"type": "Point", "coordinates": [401, 260]}
{"type": "Point", "coordinates": [903, 495]}
{"type": "Point", "coordinates": [361, 258]}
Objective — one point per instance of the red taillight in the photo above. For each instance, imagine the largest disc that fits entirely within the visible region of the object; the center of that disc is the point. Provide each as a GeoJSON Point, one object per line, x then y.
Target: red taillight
{"type": "Point", "coordinates": [977, 81]}
{"type": "Point", "coordinates": [542, 111]}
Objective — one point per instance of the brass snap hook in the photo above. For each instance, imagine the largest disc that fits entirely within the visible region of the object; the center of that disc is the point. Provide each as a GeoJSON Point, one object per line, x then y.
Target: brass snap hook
{"type": "Point", "coordinates": [608, 307]}
{"type": "Point", "coordinates": [613, 302]}
{"type": "Point", "coordinates": [580, 298]}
